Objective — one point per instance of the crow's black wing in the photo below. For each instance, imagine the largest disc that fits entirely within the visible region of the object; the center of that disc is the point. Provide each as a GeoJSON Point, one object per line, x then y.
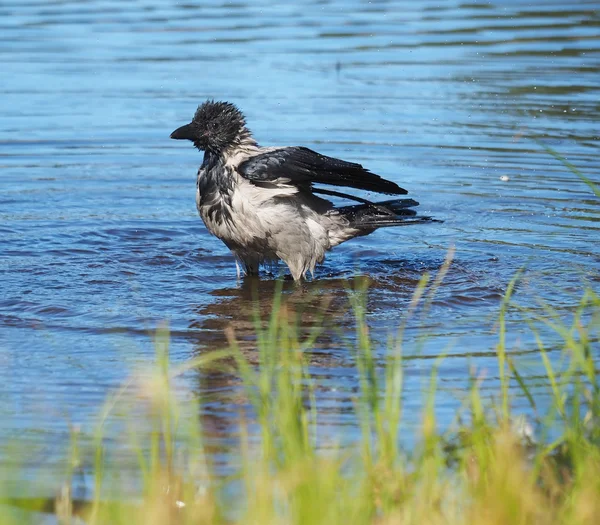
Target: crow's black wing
{"type": "Point", "coordinates": [300, 165]}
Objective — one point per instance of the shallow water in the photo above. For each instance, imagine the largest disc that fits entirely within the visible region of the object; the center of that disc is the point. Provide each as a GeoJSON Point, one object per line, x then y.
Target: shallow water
{"type": "Point", "coordinates": [99, 236]}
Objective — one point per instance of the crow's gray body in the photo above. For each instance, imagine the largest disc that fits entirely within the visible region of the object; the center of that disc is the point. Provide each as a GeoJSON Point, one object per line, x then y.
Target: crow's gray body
{"type": "Point", "coordinates": [261, 201]}
{"type": "Point", "coordinates": [276, 221]}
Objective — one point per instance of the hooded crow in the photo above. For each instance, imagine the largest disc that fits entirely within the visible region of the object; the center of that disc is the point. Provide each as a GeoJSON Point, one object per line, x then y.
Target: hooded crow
{"type": "Point", "coordinates": [262, 202]}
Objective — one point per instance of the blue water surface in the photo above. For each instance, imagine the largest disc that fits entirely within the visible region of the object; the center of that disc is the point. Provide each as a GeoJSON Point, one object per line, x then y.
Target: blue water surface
{"type": "Point", "coordinates": [100, 241]}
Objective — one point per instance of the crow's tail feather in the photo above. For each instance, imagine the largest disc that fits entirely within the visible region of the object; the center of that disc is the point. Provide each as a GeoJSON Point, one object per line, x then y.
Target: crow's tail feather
{"type": "Point", "coordinates": [395, 212]}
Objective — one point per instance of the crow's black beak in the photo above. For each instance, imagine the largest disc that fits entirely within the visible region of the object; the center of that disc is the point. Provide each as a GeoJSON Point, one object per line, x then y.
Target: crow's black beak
{"type": "Point", "coordinates": [184, 132]}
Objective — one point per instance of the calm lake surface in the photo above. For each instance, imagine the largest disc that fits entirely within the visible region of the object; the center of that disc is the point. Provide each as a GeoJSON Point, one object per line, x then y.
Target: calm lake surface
{"type": "Point", "coordinates": [100, 241]}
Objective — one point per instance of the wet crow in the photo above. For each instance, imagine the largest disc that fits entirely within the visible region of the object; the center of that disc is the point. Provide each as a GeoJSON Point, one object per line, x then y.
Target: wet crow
{"type": "Point", "coordinates": [262, 202]}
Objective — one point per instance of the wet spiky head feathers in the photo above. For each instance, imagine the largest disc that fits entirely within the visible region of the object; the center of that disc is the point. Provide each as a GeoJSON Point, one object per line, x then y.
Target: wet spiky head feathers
{"type": "Point", "coordinates": [216, 126]}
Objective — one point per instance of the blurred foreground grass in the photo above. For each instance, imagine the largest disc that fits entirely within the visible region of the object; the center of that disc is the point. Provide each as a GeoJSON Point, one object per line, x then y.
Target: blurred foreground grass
{"type": "Point", "coordinates": [486, 469]}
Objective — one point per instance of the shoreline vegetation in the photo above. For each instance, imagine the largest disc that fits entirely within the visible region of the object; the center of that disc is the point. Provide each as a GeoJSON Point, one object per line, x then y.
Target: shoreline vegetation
{"type": "Point", "coordinates": [491, 466]}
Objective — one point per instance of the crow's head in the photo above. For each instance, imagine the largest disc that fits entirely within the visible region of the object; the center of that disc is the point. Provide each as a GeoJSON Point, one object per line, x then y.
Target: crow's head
{"type": "Point", "coordinates": [216, 126]}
